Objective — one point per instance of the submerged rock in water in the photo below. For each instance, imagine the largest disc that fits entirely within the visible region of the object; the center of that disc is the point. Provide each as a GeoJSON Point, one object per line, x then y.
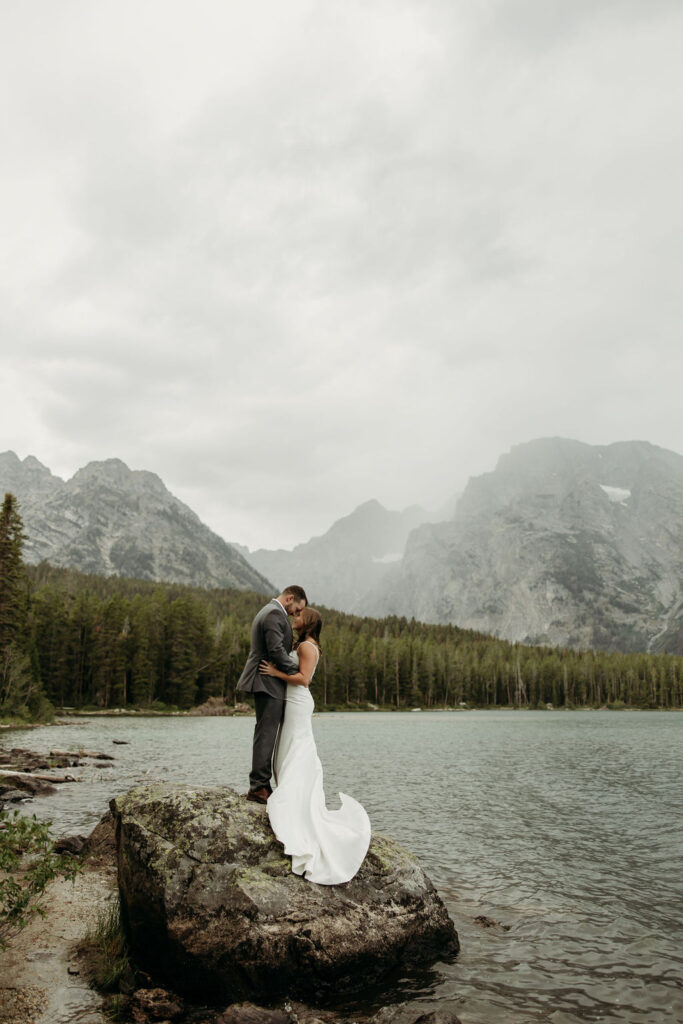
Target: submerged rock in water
{"type": "Point", "coordinates": [211, 905]}
{"type": "Point", "coordinates": [29, 785]}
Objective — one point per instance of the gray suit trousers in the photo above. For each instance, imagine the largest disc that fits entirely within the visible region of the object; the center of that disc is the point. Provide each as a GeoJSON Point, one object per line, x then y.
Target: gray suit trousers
{"type": "Point", "coordinates": [269, 714]}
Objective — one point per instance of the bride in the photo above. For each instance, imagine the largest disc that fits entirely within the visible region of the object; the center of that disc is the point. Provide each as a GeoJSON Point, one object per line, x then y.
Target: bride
{"type": "Point", "coordinates": [328, 847]}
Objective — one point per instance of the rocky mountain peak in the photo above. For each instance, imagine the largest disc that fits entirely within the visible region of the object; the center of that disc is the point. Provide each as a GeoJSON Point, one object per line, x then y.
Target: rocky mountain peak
{"type": "Point", "coordinates": [111, 520]}
{"type": "Point", "coordinates": [363, 518]}
{"type": "Point", "coordinates": [551, 456]}
{"type": "Point", "coordinates": [25, 476]}
{"type": "Point", "coordinates": [116, 474]}
{"type": "Point", "coordinates": [370, 507]}
{"type": "Point", "coordinates": [341, 565]}
{"type": "Point", "coordinates": [551, 470]}
{"type": "Point", "coordinates": [562, 543]}
{"type": "Point", "coordinates": [32, 464]}
{"type": "Point", "coordinates": [104, 469]}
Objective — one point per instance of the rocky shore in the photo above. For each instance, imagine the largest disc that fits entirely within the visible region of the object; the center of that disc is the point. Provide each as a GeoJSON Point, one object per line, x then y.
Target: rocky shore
{"type": "Point", "coordinates": [219, 929]}
{"type": "Point", "coordinates": [25, 774]}
{"type": "Point", "coordinates": [43, 976]}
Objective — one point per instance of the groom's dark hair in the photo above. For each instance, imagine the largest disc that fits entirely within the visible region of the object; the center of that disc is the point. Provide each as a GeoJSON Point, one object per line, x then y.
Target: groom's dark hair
{"type": "Point", "coordinates": [298, 592]}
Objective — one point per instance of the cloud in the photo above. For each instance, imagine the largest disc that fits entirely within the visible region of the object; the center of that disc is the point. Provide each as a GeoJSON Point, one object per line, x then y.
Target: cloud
{"type": "Point", "coordinates": [291, 257]}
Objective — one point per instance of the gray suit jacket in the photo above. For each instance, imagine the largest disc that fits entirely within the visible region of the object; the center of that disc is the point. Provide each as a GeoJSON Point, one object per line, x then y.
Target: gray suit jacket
{"type": "Point", "coordinates": [271, 638]}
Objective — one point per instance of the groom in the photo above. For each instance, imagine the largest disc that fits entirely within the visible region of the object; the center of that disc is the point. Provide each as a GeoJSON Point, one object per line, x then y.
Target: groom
{"type": "Point", "coordinates": [271, 639]}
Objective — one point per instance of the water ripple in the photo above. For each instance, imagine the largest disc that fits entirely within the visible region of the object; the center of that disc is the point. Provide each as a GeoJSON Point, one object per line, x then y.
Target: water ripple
{"type": "Point", "coordinates": [565, 828]}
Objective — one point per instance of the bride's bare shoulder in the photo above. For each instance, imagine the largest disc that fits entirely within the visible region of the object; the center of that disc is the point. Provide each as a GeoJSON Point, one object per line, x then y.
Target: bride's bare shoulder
{"type": "Point", "coordinates": [312, 644]}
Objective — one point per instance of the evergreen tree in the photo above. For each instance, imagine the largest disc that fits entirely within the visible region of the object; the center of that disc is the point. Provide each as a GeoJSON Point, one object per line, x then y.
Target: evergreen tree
{"type": "Point", "coordinates": [20, 690]}
{"type": "Point", "coordinates": [12, 594]}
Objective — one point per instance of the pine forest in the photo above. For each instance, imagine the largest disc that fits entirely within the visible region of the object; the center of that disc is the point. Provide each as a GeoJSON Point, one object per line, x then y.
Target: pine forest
{"type": "Point", "coordinates": [88, 642]}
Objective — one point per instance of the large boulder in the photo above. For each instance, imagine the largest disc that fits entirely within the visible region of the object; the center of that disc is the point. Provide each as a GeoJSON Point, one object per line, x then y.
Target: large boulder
{"type": "Point", "coordinates": [210, 903]}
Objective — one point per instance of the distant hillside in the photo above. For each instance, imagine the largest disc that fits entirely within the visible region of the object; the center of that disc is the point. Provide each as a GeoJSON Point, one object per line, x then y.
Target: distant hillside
{"type": "Point", "coordinates": [111, 520]}
{"type": "Point", "coordinates": [563, 543]}
{"type": "Point", "coordinates": [338, 568]}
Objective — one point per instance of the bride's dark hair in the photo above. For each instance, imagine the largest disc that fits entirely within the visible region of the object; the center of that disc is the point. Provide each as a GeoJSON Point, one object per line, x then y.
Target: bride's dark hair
{"type": "Point", "coordinates": [311, 624]}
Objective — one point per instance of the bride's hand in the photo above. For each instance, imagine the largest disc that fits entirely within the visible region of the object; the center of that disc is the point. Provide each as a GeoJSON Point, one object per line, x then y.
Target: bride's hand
{"type": "Point", "coordinates": [266, 668]}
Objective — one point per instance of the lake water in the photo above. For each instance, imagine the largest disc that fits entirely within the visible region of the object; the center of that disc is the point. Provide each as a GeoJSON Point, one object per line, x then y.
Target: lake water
{"type": "Point", "coordinates": [563, 827]}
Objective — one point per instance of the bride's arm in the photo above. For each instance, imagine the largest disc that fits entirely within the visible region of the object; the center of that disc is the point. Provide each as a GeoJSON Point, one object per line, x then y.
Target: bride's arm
{"type": "Point", "coordinates": [307, 663]}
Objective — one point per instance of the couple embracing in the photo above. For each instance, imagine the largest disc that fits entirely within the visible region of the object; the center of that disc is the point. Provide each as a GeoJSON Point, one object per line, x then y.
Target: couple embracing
{"type": "Point", "coordinates": [327, 847]}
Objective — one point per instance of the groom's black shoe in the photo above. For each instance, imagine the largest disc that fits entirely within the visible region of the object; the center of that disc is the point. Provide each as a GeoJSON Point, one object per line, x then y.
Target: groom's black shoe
{"type": "Point", "coordinates": [259, 796]}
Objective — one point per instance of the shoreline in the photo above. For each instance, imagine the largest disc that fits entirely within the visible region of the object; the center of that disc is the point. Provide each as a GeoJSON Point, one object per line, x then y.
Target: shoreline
{"type": "Point", "coordinates": [62, 716]}
{"type": "Point", "coordinates": [44, 976]}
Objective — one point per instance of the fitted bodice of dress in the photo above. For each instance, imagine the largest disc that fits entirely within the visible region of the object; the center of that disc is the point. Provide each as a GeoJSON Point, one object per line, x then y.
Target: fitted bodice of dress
{"type": "Point", "coordinates": [300, 695]}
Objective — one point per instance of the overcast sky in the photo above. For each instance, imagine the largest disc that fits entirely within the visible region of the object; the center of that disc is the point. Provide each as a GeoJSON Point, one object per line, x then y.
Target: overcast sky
{"type": "Point", "coordinates": [291, 256]}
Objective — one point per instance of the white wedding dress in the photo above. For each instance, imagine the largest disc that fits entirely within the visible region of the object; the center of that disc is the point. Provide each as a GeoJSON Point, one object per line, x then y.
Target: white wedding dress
{"type": "Point", "coordinates": [328, 847]}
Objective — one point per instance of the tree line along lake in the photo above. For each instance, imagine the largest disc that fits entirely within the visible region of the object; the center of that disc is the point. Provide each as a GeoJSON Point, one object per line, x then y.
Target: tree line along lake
{"type": "Point", "coordinates": [554, 839]}
{"type": "Point", "coordinates": [93, 642]}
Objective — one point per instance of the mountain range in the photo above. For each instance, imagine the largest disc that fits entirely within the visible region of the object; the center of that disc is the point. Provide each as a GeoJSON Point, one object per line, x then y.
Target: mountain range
{"type": "Point", "coordinates": [351, 559]}
{"type": "Point", "coordinates": [111, 520]}
{"type": "Point", "coordinates": [563, 543]}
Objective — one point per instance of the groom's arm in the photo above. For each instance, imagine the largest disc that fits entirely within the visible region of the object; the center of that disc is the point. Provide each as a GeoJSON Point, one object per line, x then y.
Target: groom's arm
{"type": "Point", "coordinates": [274, 637]}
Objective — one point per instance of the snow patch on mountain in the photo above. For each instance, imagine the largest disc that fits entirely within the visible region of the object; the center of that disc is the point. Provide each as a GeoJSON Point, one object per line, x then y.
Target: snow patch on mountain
{"type": "Point", "coordinates": [617, 495]}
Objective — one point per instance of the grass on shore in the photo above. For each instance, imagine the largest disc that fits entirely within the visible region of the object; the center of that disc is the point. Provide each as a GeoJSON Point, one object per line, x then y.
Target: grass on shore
{"type": "Point", "coordinates": [28, 864]}
{"type": "Point", "coordinates": [105, 955]}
